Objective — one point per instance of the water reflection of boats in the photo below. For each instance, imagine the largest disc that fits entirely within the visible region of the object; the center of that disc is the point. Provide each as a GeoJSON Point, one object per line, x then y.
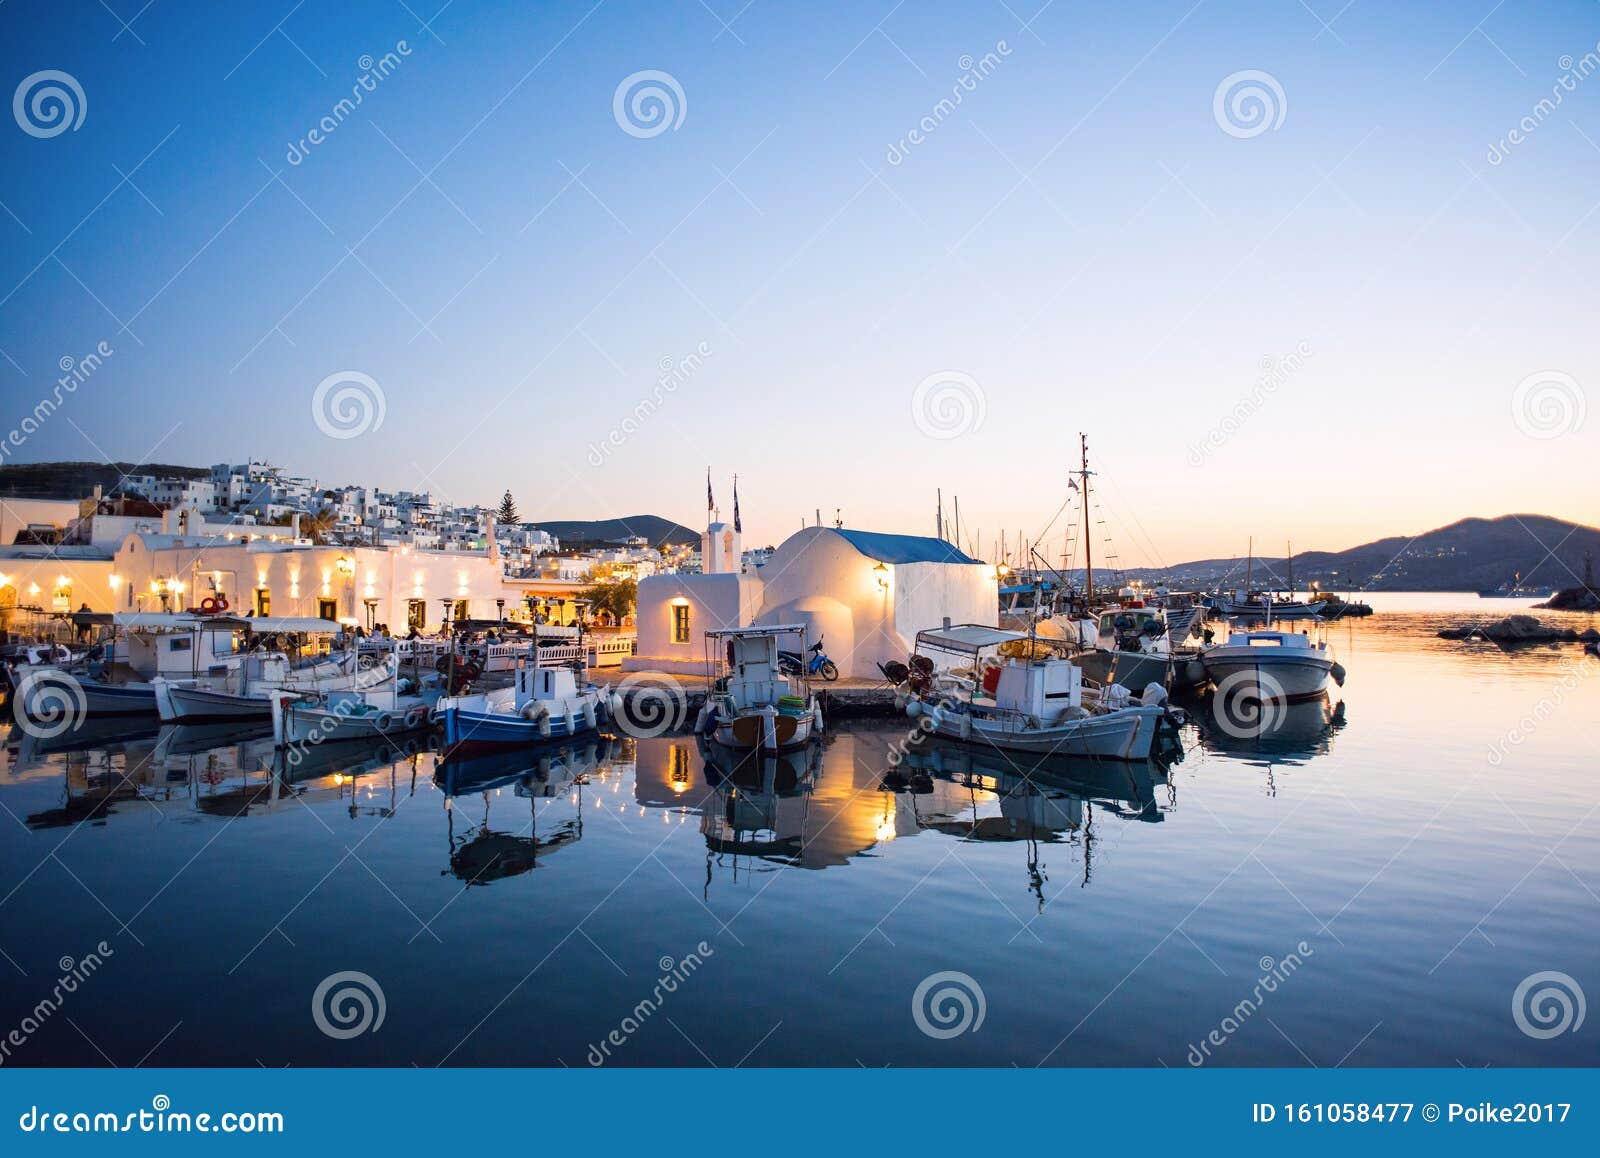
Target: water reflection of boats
{"type": "Point", "coordinates": [1279, 731]}
{"type": "Point", "coordinates": [1041, 798]}
{"type": "Point", "coordinates": [198, 739]}
{"type": "Point", "coordinates": [90, 732]}
{"type": "Point", "coordinates": [1041, 801]}
{"type": "Point", "coordinates": [759, 805]}
{"type": "Point", "coordinates": [482, 854]}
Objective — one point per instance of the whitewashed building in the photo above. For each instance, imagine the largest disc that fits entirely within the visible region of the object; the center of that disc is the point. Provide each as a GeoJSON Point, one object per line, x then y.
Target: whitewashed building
{"type": "Point", "coordinates": [864, 594]}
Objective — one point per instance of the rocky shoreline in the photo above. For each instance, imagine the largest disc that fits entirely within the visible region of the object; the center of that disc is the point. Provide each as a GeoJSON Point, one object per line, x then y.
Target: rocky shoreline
{"type": "Point", "coordinates": [1520, 629]}
{"type": "Point", "coordinates": [1584, 598]}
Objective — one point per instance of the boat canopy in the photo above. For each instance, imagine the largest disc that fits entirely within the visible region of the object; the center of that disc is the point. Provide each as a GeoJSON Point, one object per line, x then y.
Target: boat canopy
{"type": "Point", "coordinates": [756, 632]}
{"type": "Point", "coordinates": [968, 637]}
{"type": "Point", "coordinates": [154, 620]}
{"type": "Point", "coordinates": [309, 624]}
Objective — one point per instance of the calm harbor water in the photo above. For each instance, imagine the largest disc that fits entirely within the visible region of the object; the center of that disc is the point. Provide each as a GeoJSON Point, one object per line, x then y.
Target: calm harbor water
{"type": "Point", "coordinates": [1368, 885]}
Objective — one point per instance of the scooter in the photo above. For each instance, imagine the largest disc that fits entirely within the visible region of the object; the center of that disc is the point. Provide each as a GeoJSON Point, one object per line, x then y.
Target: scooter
{"type": "Point", "coordinates": [790, 663]}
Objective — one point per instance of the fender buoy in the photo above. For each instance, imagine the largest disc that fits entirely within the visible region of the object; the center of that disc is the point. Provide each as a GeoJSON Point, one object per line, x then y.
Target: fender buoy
{"type": "Point", "coordinates": [222, 602]}
{"type": "Point", "coordinates": [384, 722]}
{"type": "Point", "coordinates": [416, 717]}
{"type": "Point", "coordinates": [590, 719]}
{"type": "Point", "coordinates": [209, 606]}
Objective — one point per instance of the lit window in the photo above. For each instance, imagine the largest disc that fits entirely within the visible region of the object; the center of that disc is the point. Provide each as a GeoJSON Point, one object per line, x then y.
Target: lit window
{"type": "Point", "coordinates": [680, 623]}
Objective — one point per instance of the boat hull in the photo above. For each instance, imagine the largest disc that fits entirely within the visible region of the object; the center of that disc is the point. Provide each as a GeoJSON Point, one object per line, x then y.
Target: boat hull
{"type": "Point", "coordinates": [1134, 670]}
{"type": "Point", "coordinates": [1269, 677]}
{"type": "Point", "coordinates": [298, 724]}
{"type": "Point", "coordinates": [1128, 734]}
{"type": "Point", "coordinates": [97, 698]}
{"type": "Point", "coordinates": [468, 729]}
{"type": "Point", "coordinates": [748, 733]}
{"type": "Point", "coordinates": [181, 705]}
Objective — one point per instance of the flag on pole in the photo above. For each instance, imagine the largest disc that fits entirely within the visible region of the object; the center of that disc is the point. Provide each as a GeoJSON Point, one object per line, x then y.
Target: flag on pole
{"type": "Point", "coordinates": [736, 525]}
{"type": "Point", "coordinates": [711, 503]}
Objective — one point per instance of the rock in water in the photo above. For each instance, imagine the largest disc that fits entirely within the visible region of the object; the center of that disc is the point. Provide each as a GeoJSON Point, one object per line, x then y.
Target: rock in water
{"type": "Point", "coordinates": [1573, 599]}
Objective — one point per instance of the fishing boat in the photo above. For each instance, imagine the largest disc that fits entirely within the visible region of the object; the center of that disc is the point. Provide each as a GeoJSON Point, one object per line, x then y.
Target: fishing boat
{"type": "Point", "coordinates": [241, 687]}
{"type": "Point", "coordinates": [543, 702]}
{"type": "Point", "coordinates": [1131, 648]}
{"type": "Point", "coordinates": [316, 717]}
{"type": "Point", "coordinates": [114, 676]}
{"type": "Point", "coordinates": [984, 685]}
{"type": "Point", "coordinates": [1271, 666]}
{"type": "Point", "coordinates": [752, 704]}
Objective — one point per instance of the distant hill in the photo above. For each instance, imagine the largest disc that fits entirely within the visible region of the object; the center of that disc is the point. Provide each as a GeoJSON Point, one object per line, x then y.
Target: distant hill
{"type": "Point", "coordinates": [1469, 555]}
{"type": "Point", "coordinates": [76, 480]}
{"type": "Point", "coordinates": [654, 529]}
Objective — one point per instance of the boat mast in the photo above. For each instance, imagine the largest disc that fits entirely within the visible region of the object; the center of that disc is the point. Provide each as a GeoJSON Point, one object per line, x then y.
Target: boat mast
{"type": "Point", "coordinates": [1088, 538]}
{"type": "Point", "coordinates": [1250, 567]}
{"type": "Point", "coordinates": [1289, 546]}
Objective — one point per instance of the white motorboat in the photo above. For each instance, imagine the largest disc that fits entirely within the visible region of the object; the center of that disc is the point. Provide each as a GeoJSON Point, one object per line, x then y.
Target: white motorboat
{"type": "Point", "coordinates": [753, 705]}
{"type": "Point", "coordinates": [1010, 690]}
{"type": "Point", "coordinates": [241, 688]}
{"type": "Point", "coordinates": [543, 703]}
{"type": "Point", "coordinates": [115, 676]}
{"type": "Point", "coordinates": [1271, 666]}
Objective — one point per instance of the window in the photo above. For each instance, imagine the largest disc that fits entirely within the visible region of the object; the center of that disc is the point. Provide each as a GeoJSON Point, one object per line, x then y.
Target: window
{"type": "Point", "coordinates": [680, 623]}
{"type": "Point", "coordinates": [327, 609]}
{"type": "Point", "coordinates": [461, 609]}
{"type": "Point", "coordinates": [417, 613]}
{"type": "Point", "coordinates": [263, 601]}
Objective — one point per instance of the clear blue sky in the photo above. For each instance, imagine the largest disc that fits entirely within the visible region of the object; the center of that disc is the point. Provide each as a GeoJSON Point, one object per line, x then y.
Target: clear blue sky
{"type": "Point", "coordinates": [1080, 237]}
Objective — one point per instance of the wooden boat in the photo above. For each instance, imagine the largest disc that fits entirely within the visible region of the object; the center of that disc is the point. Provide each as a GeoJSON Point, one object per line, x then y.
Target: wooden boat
{"type": "Point", "coordinates": [317, 717]}
{"type": "Point", "coordinates": [543, 703]}
{"type": "Point", "coordinates": [241, 687]}
{"type": "Point", "coordinates": [1015, 691]}
{"type": "Point", "coordinates": [753, 705]}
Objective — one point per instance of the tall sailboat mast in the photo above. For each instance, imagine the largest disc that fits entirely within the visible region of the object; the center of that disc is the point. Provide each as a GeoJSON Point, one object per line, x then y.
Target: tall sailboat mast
{"type": "Point", "coordinates": [1088, 538]}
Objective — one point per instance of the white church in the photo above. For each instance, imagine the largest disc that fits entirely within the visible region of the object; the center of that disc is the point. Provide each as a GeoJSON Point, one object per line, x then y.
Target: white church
{"type": "Point", "coordinates": [864, 594]}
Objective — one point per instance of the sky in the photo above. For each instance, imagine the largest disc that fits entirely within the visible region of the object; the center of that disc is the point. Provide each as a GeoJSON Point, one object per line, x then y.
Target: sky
{"type": "Point", "coordinates": [1344, 306]}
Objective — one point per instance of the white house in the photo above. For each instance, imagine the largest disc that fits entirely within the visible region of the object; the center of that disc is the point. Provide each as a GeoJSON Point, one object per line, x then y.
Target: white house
{"type": "Point", "coordinates": [864, 594]}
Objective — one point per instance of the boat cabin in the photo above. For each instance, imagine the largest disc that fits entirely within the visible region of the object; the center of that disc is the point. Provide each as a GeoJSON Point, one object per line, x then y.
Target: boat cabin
{"type": "Point", "coordinates": [545, 683]}
{"type": "Point", "coordinates": [1042, 689]}
{"type": "Point", "coordinates": [753, 677]}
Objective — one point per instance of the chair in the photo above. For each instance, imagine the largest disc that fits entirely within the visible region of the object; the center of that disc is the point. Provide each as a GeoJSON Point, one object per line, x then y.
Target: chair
{"type": "Point", "coordinates": [895, 672]}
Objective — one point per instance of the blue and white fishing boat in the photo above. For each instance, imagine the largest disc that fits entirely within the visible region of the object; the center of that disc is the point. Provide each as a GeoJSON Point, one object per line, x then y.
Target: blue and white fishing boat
{"type": "Point", "coordinates": [543, 703]}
